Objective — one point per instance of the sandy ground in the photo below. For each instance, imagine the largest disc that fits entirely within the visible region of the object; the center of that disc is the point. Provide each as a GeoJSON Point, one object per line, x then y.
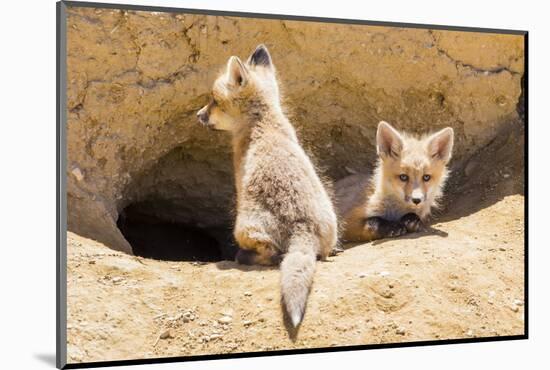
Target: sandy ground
{"type": "Point", "coordinates": [463, 278]}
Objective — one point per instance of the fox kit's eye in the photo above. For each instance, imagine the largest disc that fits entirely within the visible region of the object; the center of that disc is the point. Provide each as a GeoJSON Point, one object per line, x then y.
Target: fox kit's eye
{"type": "Point", "coordinates": [426, 177]}
{"type": "Point", "coordinates": [403, 177]}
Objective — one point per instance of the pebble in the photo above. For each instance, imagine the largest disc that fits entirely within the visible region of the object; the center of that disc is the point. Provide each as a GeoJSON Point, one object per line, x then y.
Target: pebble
{"type": "Point", "coordinates": [77, 173]}
{"type": "Point", "coordinates": [362, 275]}
{"type": "Point", "coordinates": [470, 333]}
{"type": "Point", "coordinates": [514, 308]}
{"type": "Point", "coordinates": [518, 302]}
{"type": "Point", "coordinates": [215, 336]}
{"type": "Point", "coordinates": [226, 312]}
{"type": "Point", "coordinates": [247, 323]}
{"type": "Point", "coordinates": [225, 320]}
{"type": "Point", "coordinates": [165, 334]}
{"type": "Point", "coordinates": [400, 331]}
{"type": "Point", "coordinates": [247, 294]}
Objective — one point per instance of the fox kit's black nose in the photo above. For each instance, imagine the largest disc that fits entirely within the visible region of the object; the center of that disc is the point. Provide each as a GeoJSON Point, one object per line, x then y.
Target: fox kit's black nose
{"type": "Point", "coordinates": [202, 116]}
{"type": "Point", "coordinates": [416, 200]}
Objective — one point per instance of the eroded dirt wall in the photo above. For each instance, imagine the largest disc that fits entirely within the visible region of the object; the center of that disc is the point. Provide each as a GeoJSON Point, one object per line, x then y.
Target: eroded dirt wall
{"type": "Point", "coordinates": [136, 80]}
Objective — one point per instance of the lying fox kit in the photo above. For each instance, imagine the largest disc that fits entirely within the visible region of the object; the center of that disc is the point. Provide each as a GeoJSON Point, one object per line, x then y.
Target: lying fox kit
{"type": "Point", "coordinates": [405, 186]}
{"type": "Point", "coordinates": [283, 211]}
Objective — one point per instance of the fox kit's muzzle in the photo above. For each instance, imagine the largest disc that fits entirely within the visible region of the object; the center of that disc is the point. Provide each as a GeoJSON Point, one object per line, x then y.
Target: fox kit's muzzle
{"type": "Point", "coordinates": [417, 196]}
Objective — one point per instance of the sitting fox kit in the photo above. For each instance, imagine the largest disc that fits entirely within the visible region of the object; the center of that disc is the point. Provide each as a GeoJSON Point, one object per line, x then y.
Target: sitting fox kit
{"type": "Point", "coordinates": [405, 186]}
{"type": "Point", "coordinates": [284, 213]}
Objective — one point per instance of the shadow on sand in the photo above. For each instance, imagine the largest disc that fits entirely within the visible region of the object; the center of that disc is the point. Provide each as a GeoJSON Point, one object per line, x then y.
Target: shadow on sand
{"type": "Point", "coordinates": [231, 265]}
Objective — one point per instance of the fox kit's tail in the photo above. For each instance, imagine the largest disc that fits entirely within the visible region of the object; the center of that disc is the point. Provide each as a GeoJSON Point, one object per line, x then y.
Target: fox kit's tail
{"type": "Point", "coordinates": [297, 269]}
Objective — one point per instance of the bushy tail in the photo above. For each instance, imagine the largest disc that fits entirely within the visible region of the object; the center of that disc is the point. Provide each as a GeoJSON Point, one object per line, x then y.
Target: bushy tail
{"type": "Point", "coordinates": [297, 269]}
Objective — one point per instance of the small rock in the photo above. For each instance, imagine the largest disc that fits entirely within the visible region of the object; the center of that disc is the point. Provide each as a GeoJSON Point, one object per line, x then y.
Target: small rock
{"type": "Point", "coordinates": [362, 275]}
{"type": "Point", "coordinates": [225, 320]}
{"type": "Point", "coordinates": [247, 323]}
{"type": "Point", "coordinates": [384, 273]}
{"type": "Point", "coordinates": [165, 334]}
{"type": "Point", "coordinates": [502, 249]}
{"type": "Point", "coordinates": [91, 262]}
{"type": "Point", "coordinates": [470, 333]}
{"type": "Point", "coordinates": [518, 302]}
{"type": "Point", "coordinates": [247, 294]}
{"type": "Point", "coordinates": [117, 280]}
{"type": "Point", "coordinates": [514, 308]}
{"type": "Point", "coordinates": [77, 173]}
{"type": "Point", "coordinates": [400, 331]}
{"type": "Point", "coordinates": [227, 312]}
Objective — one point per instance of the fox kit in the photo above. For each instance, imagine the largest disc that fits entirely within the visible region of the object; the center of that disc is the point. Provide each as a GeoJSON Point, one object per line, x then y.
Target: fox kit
{"type": "Point", "coordinates": [284, 213]}
{"type": "Point", "coordinates": [405, 186]}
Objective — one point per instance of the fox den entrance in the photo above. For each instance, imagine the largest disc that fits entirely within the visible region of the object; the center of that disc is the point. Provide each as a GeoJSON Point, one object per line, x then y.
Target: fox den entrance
{"type": "Point", "coordinates": [179, 208]}
{"type": "Point", "coordinates": [154, 237]}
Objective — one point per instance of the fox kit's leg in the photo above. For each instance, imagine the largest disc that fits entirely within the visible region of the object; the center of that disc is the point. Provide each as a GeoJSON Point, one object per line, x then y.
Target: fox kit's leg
{"type": "Point", "coordinates": [379, 228]}
{"type": "Point", "coordinates": [250, 257]}
{"type": "Point", "coordinates": [256, 246]}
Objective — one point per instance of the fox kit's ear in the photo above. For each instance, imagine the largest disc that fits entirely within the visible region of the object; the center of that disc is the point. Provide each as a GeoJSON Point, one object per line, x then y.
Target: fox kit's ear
{"type": "Point", "coordinates": [236, 72]}
{"type": "Point", "coordinates": [440, 144]}
{"type": "Point", "coordinates": [388, 141]}
{"type": "Point", "coordinates": [260, 57]}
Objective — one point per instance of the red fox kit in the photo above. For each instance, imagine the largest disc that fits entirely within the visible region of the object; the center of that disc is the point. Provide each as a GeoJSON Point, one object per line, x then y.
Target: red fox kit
{"type": "Point", "coordinates": [405, 186]}
{"type": "Point", "coordinates": [283, 209]}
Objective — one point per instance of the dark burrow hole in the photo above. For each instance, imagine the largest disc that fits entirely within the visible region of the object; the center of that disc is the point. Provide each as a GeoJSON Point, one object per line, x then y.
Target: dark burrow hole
{"type": "Point", "coordinates": [157, 238]}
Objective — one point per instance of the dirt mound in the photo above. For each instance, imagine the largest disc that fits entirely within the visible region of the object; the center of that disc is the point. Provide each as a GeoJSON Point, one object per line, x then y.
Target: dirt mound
{"type": "Point", "coordinates": [447, 283]}
{"type": "Point", "coordinates": [136, 80]}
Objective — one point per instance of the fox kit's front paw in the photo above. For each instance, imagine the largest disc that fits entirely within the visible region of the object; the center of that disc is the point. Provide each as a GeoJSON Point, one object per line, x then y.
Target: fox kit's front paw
{"type": "Point", "coordinates": [336, 251]}
{"type": "Point", "coordinates": [412, 222]}
{"type": "Point", "coordinates": [380, 228]}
